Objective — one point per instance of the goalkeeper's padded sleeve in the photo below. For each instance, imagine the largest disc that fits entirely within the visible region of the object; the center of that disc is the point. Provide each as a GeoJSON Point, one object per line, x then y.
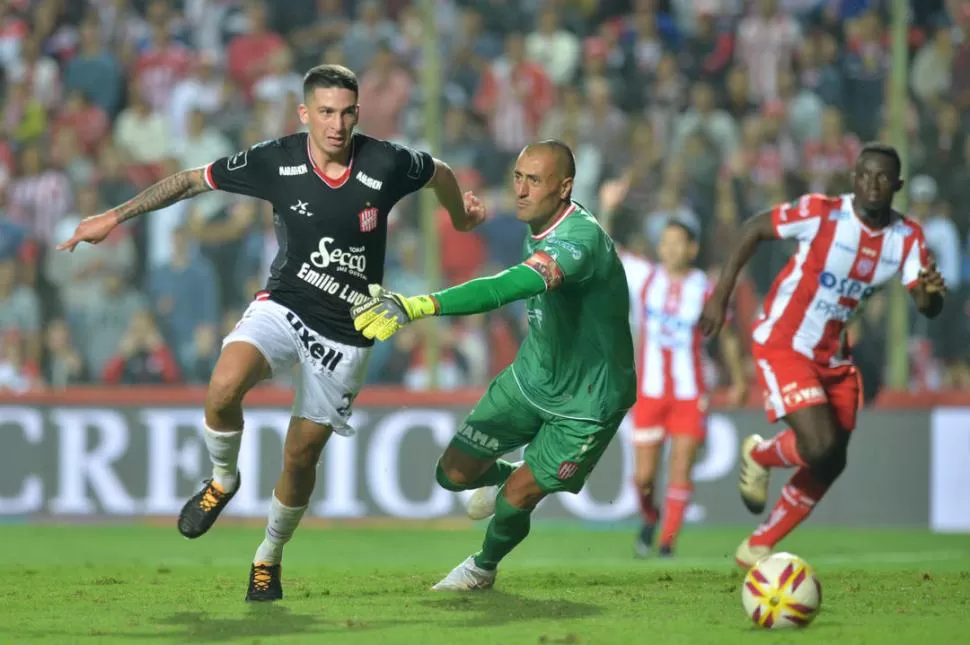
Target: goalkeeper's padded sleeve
{"type": "Point", "coordinates": [485, 294]}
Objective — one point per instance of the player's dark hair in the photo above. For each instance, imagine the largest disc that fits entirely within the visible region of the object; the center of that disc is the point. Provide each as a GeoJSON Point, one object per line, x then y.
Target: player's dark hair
{"type": "Point", "coordinates": [328, 76]}
{"type": "Point", "coordinates": [688, 230]}
{"type": "Point", "coordinates": [566, 158]}
{"type": "Point", "coordinates": [874, 147]}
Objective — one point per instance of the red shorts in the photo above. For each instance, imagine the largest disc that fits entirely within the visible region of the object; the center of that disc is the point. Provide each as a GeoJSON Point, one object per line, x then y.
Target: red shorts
{"type": "Point", "coordinates": [655, 419]}
{"type": "Point", "coordinates": [792, 381]}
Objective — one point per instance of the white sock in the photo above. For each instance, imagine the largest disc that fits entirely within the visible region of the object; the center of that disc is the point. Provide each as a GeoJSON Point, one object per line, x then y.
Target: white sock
{"type": "Point", "coordinates": [224, 453]}
{"type": "Point", "coordinates": [283, 520]}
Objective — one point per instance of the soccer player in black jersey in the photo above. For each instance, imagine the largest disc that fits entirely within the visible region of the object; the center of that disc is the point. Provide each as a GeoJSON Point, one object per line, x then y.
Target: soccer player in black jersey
{"type": "Point", "coordinates": [331, 190]}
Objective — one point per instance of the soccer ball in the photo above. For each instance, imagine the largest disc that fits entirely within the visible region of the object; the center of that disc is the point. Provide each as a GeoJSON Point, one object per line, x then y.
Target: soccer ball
{"type": "Point", "coordinates": [781, 591]}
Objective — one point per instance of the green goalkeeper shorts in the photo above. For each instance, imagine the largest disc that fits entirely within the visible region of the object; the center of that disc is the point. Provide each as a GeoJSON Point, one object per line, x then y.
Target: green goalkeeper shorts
{"type": "Point", "coordinates": [561, 451]}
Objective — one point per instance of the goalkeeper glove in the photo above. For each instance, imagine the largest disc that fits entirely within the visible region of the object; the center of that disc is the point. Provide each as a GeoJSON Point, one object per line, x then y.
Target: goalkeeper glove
{"type": "Point", "coordinates": [386, 312]}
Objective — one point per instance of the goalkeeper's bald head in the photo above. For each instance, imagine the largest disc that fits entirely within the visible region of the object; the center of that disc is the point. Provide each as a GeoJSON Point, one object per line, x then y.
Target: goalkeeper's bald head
{"type": "Point", "coordinates": [565, 162]}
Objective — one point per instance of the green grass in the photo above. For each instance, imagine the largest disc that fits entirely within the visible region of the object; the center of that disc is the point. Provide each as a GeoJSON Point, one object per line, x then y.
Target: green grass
{"type": "Point", "coordinates": [145, 584]}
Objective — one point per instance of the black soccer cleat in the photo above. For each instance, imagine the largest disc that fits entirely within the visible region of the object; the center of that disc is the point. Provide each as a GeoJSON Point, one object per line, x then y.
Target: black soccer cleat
{"type": "Point", "coordinates": [265, 584]}
{"type": "Point", "coordinates": [644, 541]}
{"type": "Point", "coordinates": [203, 509]}
{"type": "Point", "coordinates": [666, 551]}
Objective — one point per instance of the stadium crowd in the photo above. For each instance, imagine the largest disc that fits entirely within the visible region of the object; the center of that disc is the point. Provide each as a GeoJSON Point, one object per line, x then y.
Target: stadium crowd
{"type": "Point", "coordinates": [704, 110]}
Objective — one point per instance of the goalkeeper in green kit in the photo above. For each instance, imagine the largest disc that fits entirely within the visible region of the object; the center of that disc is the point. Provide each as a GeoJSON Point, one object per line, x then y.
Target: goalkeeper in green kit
{"type": "Point", "coordinates": [572, 381]}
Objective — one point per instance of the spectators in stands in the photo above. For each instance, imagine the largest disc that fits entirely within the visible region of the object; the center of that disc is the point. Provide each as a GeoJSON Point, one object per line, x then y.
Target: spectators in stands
{"type": "Point", "coordinates": [707, 109]}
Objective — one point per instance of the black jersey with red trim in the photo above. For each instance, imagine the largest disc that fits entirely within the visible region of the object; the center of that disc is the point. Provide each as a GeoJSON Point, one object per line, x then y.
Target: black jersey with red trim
{"type": "Point", "coordinates": [332, 233]}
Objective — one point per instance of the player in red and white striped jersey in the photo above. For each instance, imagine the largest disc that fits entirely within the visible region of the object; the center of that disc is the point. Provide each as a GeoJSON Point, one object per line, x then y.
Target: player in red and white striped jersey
{"type": "Point", "coordinates": [672, 399]}
{"type": "Point", "coordinates": [848, 247]}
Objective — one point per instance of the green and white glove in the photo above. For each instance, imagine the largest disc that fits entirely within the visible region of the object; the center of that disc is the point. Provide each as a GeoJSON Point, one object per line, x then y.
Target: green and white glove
{"type": "Point", "coordinates": [386, 312]}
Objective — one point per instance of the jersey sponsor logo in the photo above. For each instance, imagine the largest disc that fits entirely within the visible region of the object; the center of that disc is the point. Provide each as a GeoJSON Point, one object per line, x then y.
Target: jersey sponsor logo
{"type": "Point", "coordinates": [550, 271]}
{"type": "Point", "coordinates": [478, 438]}
{"type": "Point", "coordinates": [290, 171]}
{"type": "Point", "coordinates": [368, 219]}
{"type": "Point", "coordinates": [534, 314]}
{"type": "Point", "coordinates": [301, 208]}
{"type": "Point", "coordinates": [370, 182]}
{"type": "Point", "coordinates": [323, 355]}
{"type": "Point", "coordinates": [566, 470]}
{"type": "Point", "coordinates": [870, 252]}
{"type": "Point", "coordinates": [842, 246]}
{"type": "Point", "coordinates": [792, 395]}
{"type": "Point", "coordinates": [846, 287]}
{"type": "Point", "coordinates": [353, 261]}
{"type": "Point", "coordinates": [330, 285]}
{"type": "Point", "coordinates": [834, 311]}
{"type": "Point", "coordinates": [573, 249]}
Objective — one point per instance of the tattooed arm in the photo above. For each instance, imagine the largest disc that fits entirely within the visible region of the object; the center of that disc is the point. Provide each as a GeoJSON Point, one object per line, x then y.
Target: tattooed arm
{"type": "Point", "coordinates": [174, 188]}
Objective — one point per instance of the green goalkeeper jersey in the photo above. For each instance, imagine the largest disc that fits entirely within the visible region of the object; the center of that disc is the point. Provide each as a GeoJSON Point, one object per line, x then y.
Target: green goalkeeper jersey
{"type": "Point", "coordinates": [577, 360]}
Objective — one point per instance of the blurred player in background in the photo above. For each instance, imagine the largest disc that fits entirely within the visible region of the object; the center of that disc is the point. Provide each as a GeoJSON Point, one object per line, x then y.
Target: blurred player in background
{"type": "Point", "coordinates": [572, 381]}
{"type": "Point", "coordinates": [673, 397]}
{"type": "Point", "coordinates": [331, 189]}
{"type": "Point", "coordinates": [848, 247]}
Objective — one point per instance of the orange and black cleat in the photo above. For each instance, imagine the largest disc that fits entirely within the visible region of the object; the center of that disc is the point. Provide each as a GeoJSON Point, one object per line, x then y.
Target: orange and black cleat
{"type": "Point", "coordinates": [202, 510]}
{"type": "Point", "coordinates": [264, 583]}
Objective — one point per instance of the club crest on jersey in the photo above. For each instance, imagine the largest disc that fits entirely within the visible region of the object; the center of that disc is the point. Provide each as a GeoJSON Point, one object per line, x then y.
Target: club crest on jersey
{"type": "Point", "coordinates": [567, 469]}
{"type": "Point", "coordinates": [865, 266]}
{"type": "Point", "coordinates": [368, 219]}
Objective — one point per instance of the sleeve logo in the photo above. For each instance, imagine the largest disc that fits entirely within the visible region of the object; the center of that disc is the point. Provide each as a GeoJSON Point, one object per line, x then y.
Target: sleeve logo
{"type": "Point", "coordinates": [237, 161]}
{"type": "Point", "coordinates": [416, 166]}
{"type": "Point", "coordinates": [240, 159]}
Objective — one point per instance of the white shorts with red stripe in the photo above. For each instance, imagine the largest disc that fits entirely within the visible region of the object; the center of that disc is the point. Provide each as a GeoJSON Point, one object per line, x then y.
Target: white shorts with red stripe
{"type": "Point", "coordinates": [330, 373]}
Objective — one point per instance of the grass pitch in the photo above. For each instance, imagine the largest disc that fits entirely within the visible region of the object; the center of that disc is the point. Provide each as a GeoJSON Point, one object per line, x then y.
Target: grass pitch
{"type": "Point", "coordinates": [564, 584]}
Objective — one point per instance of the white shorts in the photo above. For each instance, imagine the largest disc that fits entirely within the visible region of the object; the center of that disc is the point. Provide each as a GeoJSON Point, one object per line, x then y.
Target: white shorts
{"type": "Point", "coordinates": [330, 373]}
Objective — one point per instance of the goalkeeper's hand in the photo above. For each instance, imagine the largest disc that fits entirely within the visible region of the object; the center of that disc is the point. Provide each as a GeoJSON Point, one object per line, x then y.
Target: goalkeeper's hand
{"type": "Point", "coordinates": [386, 312]}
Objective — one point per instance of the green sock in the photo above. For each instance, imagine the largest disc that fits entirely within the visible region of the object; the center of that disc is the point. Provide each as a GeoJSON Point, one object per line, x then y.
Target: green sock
{"type": "Point", "coordinates": [509, 527]}
{"type": "Point", "coordinates": [494, 476]}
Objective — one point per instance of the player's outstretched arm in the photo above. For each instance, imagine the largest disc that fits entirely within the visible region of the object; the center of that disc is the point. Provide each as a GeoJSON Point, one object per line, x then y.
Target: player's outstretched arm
{"type": "Point", "coordinates": [171, 189]}
{"type": "Point", "coordinates": [928, 293]}
{"type": "Point", "coordinates": [386, 312]}
{"type": "Point", "coordinates": [466, 211]}
{"type": "Point", "coordinates": [757, 229]}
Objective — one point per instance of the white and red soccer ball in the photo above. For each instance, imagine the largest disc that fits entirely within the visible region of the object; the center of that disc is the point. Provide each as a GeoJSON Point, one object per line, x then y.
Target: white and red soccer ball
{"type": "Point", "coordinates": [781, 591]}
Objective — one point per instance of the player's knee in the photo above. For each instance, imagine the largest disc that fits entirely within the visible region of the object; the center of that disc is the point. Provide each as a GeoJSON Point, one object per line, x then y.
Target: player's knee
{"type": "Point", "coordinates": [522, 496]}
{"type": "Point", "coordinates": [451, 479]}
{"type": "Point", "coordinates": [643, 479]}
{"type": "Point", "coordinates": [301, 455]}
{"type": "Point", "coordinates": [828, 468]}
{"type": "Point", "coordinates": [224, 395]}
{"type": "Point", "coordinates": [825, 455]}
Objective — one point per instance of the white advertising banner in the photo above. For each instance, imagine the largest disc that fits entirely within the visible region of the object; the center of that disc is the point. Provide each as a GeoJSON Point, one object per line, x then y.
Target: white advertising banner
{"type": "Point", "coordinates": [950, 470]}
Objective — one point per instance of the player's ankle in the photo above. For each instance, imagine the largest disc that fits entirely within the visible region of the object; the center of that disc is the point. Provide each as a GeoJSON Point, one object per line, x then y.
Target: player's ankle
{"type": "Point", "coordinates": [226, 479]}
{"type": "Point", "coordinates": [269, 552]}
